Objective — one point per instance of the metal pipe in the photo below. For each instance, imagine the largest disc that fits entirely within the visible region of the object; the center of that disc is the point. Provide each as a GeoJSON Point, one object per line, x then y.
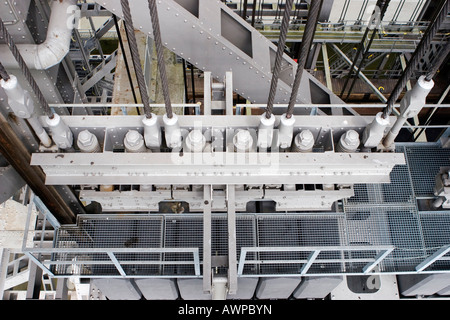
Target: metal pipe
{"type": "Point", "coordinates": [410, 106]}
{"type": "Point", "coordinates": [57, 43]}
{"type": "Point", "coordinates": [40, 131]}
{"type": "Point", "coordinates": [186, 98]}
{"type": "Point", "coordinates": [192, 83]}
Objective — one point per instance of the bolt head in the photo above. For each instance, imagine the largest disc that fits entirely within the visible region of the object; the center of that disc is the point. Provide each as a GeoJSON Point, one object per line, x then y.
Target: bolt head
{"type": "Point", "coordinates": [305, 138]}
{"type": "Point", "coordinates": [85, 138]}
{"type": "Point", "coordinates": [243, 136]}
{"type": "Point", "coordinates": [351, 137]}
{"type": "Point", "coordinates": [196, 136]}
{"type": "Point", "coordinates": [133, 138]}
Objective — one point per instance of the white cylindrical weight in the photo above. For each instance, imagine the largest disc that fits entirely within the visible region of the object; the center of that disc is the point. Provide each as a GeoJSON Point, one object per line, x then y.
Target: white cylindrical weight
{"type": "Point", "coordinates": [374, 132]}
{"type": "Point", "coordinates": [152, 132]}
{"type": "Point", "coordinates": [265, 131]}
{"type": "Point", "coordinates": [285, 131]}
{"type": "Point", "coordinates": [172, 131]}
{"type": "Point", "coordinates": [18, 99]}
{"type": "Point", "coordinates": [61, 133]}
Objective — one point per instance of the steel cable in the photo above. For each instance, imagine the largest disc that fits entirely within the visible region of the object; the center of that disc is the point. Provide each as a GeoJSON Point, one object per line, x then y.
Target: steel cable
{"type": "Point", "coordinates": [135, 57]}
{"type": "Point", "coordinates": [307, 38]}
{"type": "Point", "coordinates": [160, 56]}
{"type": "Point", "coordinates": [423, 46]}
{"type": "Point", "coordinates": [278, 58]}
{"type": "Point", "coordinates": [24, 68]}
{"type": "Point", "coordinates": [3, 73]}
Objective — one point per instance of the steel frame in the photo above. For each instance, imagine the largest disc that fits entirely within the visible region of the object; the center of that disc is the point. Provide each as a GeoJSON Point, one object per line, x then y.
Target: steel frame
{"type": "Point", "coordinates": [224, 164]}
{"type": "Point", "coordinates": [148, 201]}
{"type": "Point", "coordinates": [209, 50]}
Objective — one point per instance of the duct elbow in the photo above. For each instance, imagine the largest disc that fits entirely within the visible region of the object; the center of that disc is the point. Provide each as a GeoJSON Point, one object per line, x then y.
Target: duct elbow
{"type": "Point", "coordinates": [57, 44]}
{"type": "Point", "coordinates": [63, 19]}
{"type": "Point", "coordinates": [50, 53]}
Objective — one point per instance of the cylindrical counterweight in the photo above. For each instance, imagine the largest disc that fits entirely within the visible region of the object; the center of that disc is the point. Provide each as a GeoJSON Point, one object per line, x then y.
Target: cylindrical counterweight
{"type": "Point", "coordinates": [61, 133]}
{"type": "Point", "coordinates": [285, 131]}
{"type": "Point", "coordinates": [374, 132]}
{"type": "Point", "coordinates": [265, 131]}
{"type": "Point", "coordinates": [172, 132]}
{"type": "Point", "coordinates": [152, 132]}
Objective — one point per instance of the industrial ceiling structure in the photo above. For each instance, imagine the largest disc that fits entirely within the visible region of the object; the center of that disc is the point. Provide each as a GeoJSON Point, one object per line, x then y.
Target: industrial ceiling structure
{"type": "Point", "coordinates": [213, 150]}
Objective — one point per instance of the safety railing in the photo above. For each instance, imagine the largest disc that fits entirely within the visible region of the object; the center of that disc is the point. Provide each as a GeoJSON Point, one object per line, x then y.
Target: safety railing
{"type": "Point", "coordinates": [63, 262]}
{"type": "Point", "coordinates": [370, 256]}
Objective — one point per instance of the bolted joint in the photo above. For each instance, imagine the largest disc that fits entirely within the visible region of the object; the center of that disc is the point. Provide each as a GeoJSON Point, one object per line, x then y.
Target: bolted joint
{"type": "Point", "coordinates": [85, 138]}
{"type": "Point", "coordinates": [133, 138]}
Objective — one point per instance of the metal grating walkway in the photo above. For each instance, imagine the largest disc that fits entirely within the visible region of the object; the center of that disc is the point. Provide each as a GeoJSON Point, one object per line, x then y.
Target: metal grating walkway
{"type": "Point", "coordinates": [379, 229]}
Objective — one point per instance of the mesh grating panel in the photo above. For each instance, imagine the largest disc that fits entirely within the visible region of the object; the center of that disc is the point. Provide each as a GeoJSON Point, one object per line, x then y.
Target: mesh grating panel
{"type": "Point", "coordinates": [424, 163]}
{"type": "Point", "coordinates": [436, 232]}
{"type": "Point", "coordinates": [295, 231]}
{"type": "Point", "coordinates": [398, 191]}
{"type": "Point", "coordinates": [111, 233]}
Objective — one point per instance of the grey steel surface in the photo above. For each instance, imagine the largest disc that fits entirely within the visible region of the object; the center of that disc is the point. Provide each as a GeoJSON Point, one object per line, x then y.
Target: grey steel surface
{"type": "Point", "coordinates": [10, 182]}
{"type": "Point", "coordinates": [417, 285]}
{"type": "Point", "coordinates": [143, 201]}
{"type": "Point", "coordinates": [212, 45]}
{"type": "Point", "coordinates": [276, 288]}
{"type": "Point", "coordinates": [316, 287]}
